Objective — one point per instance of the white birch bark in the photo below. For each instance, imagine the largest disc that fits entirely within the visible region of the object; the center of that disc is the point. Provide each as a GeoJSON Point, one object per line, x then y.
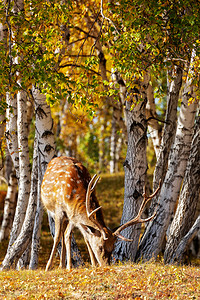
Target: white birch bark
{"type": "Point", "coordinates": [185, 242]}
{"type": "Point", "coordinates": [24, 167]}
{"type": "Point", "coordinates": [117, 153]}
{"type": "Point", "coordinates": [113, 139]}
{"type": "Point", "coordinates": [46, 151]}
{"type": "Point", "coordinates": [153, 126]}
{"type": "Point", "coordinates": [188, 200]}
{"type": "Point", "coordinates": [35, 245]}
{"type": "Point", "coordinates": [11, 131]}
{"type": "Point", "coordinates": [23, 240]}
{"type": "Point", "coordinates": [169, 130]}
{"type": "Point", "coordinates": [195, 245]}
{"type": "Point", "coordinates": [9, 208]}
{"type": "Point", "coordinates": [2, 128]}
{"type": "Point", "coordinates": [135, 167]}
{"type": "Point", "coordinates": [152, 240]}
{"type": "Point", "coordinates": [101, 142]}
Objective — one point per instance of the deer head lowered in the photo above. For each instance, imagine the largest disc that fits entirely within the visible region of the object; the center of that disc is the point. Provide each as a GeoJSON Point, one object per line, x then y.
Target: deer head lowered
{"type": "Point", "coordinates": [68, 193]}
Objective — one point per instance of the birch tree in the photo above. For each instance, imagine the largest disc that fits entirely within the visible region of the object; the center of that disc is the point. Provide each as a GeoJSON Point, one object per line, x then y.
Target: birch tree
{"type": "Point", "coordinates": [188, 200]}
{"type": "Point", "coordinates": [135, 167]}
{"type": "Point", "coordinates": [156, 230]}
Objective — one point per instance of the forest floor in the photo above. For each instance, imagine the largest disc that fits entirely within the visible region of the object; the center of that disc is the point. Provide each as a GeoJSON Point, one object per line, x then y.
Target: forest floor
{"type": "Point", "coordinates": [152, 280]}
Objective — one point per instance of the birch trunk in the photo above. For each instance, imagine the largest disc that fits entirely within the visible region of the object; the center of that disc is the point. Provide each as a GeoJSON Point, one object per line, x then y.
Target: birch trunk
{"type": "Point", "coordinates": [24, 167]}
{"type": "Point", "coordinates": [169, 130]}
{"type": "Point", "coordinates": [152, 240]}
{"type": "Point", "coordinates": [185, 242]}
{"type": "Point", "coordinates": [23, 240]}
{"type": "Point", "coordinates": [135, 167]}
{"type": "Point", "coordinates": [9, 208]}
{"type": "Point", "coordinates": [113, 139]}
{"type": "Point", "coordinates": [36, 231]}
{"type": "Point", "coordinates": [101, 142]}
{"type": "Point", "coordinates": [185, 212]}
{"type": "Point", "coordinates": [46, 151]}
{"type": "Point", "coordinates": [195, 245]}
{"type": "Point", "coordinates": [153, 126]}
{"type": "Point", "coordinates": [117, 154]}
{"type": "Point", "coordinates": [2, 129]}
{"type": "Point", "coordinates": [11, 131]}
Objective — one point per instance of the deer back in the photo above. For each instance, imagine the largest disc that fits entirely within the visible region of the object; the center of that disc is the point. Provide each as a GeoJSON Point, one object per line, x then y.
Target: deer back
{"type": "Point", "coordinates": [64, 187]}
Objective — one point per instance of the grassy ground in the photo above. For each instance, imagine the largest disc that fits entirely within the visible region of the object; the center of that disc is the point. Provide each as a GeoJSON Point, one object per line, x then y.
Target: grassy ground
{"type": "Point", "coordinates": [124, 281]}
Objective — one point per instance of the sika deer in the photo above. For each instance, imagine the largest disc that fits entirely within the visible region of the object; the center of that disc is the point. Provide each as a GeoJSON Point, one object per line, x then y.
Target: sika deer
{"type": "Point", "coordinates": [68, 193]}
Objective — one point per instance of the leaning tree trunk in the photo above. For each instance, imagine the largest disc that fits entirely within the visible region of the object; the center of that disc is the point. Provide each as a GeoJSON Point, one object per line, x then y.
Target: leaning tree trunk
{"type": "Point", "coordinates": [45, 147]}
{"type": "Point", "coordinates": [185, 242]}
{"type": "Point", "coordinates": [152, 240]}
{"type": "Point", "coordinates": [135, 167]}
{"type": "Point", "coordinates": [23, 240]}
{"type": "Point", "coordinates": [185, 212]}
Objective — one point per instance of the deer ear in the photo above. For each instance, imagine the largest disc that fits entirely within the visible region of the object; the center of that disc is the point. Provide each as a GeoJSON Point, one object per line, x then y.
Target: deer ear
{"type": "Point", "coordinates": [91, 230]}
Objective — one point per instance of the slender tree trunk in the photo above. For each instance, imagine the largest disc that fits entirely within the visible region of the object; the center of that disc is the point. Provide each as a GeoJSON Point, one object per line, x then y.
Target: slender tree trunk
{"type": "Point", "coordinates": [23, 240]}
{"type": "Point", "coordinates": [185, 212]}
{"type": "Point", "coordinates": [185, 242]}
{"type": "Point", "coordinates": [113, 140]}
{"type": "Point", "coordinates": [11, 131]}
{"type": "Point", "coordinates": [101, 143]}
{"type": "Point", "coordinates": [153, 126]}
{"type": "Point", "coordinates": [169, 130]}
{"type": "Point", "coordinates": [195, 245]}
{"type": "Point", "coordinates": [46, 151]}
{"type": "Point", "coordinates": [37, 229]}
{"type": "Point", "coordinates": [152, 240]}
{"type": "Point", "coordinates": [9, 208]}
{"type": "Point", "coordinates": [117, 154]}
{"type": "Point", "coordinates": [24, 167]}
{"type": "Point", "coordinates": [2, 129]}
{"type": "Point", "coordinates": [135, 167]}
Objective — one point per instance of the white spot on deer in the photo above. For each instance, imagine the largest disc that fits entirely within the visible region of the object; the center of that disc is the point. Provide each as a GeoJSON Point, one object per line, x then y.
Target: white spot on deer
{"type": "Point", "coordinates": [71, 179]}
{"type": "Point", "coordinates": [68, 185]}
{"type": "Point", "coordinates": [68, 196]}
{"type": "Point", "coordinates": [78, 181]}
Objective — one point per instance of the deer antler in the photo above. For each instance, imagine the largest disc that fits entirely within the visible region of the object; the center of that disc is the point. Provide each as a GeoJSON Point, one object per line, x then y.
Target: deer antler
{"type": "Point", "coordinates": [90, 214]}
{"type": "Point", "coordinates": [138, 219]}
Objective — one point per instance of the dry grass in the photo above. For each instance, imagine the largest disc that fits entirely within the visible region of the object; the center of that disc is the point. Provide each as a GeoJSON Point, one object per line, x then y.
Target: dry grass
{"type": "Point", "coordinates": [129, 281]}
{"type": "Point", "coordinates": [122, 281]}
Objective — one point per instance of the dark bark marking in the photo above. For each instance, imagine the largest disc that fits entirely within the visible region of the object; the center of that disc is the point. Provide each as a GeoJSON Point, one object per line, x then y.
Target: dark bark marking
{"type": "Point", "coordinates": [126, 164]}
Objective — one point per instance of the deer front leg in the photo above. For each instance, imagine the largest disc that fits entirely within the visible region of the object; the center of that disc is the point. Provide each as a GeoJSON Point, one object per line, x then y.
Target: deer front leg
{"type": "Point", "coordinates": [57, 237]}
{"type": "Point", "coordinates": [91, 253]}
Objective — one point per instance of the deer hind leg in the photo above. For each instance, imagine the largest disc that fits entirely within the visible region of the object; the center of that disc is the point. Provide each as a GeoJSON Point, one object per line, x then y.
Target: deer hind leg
{"type": "Point", "coordinates": [63, 249]}
{"type": "Point", "coordinates": [58, 232]}
{"type": "Point", "coordinates": [68, 238]}
{"type": "Point", "coordinates": [91, 253]}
